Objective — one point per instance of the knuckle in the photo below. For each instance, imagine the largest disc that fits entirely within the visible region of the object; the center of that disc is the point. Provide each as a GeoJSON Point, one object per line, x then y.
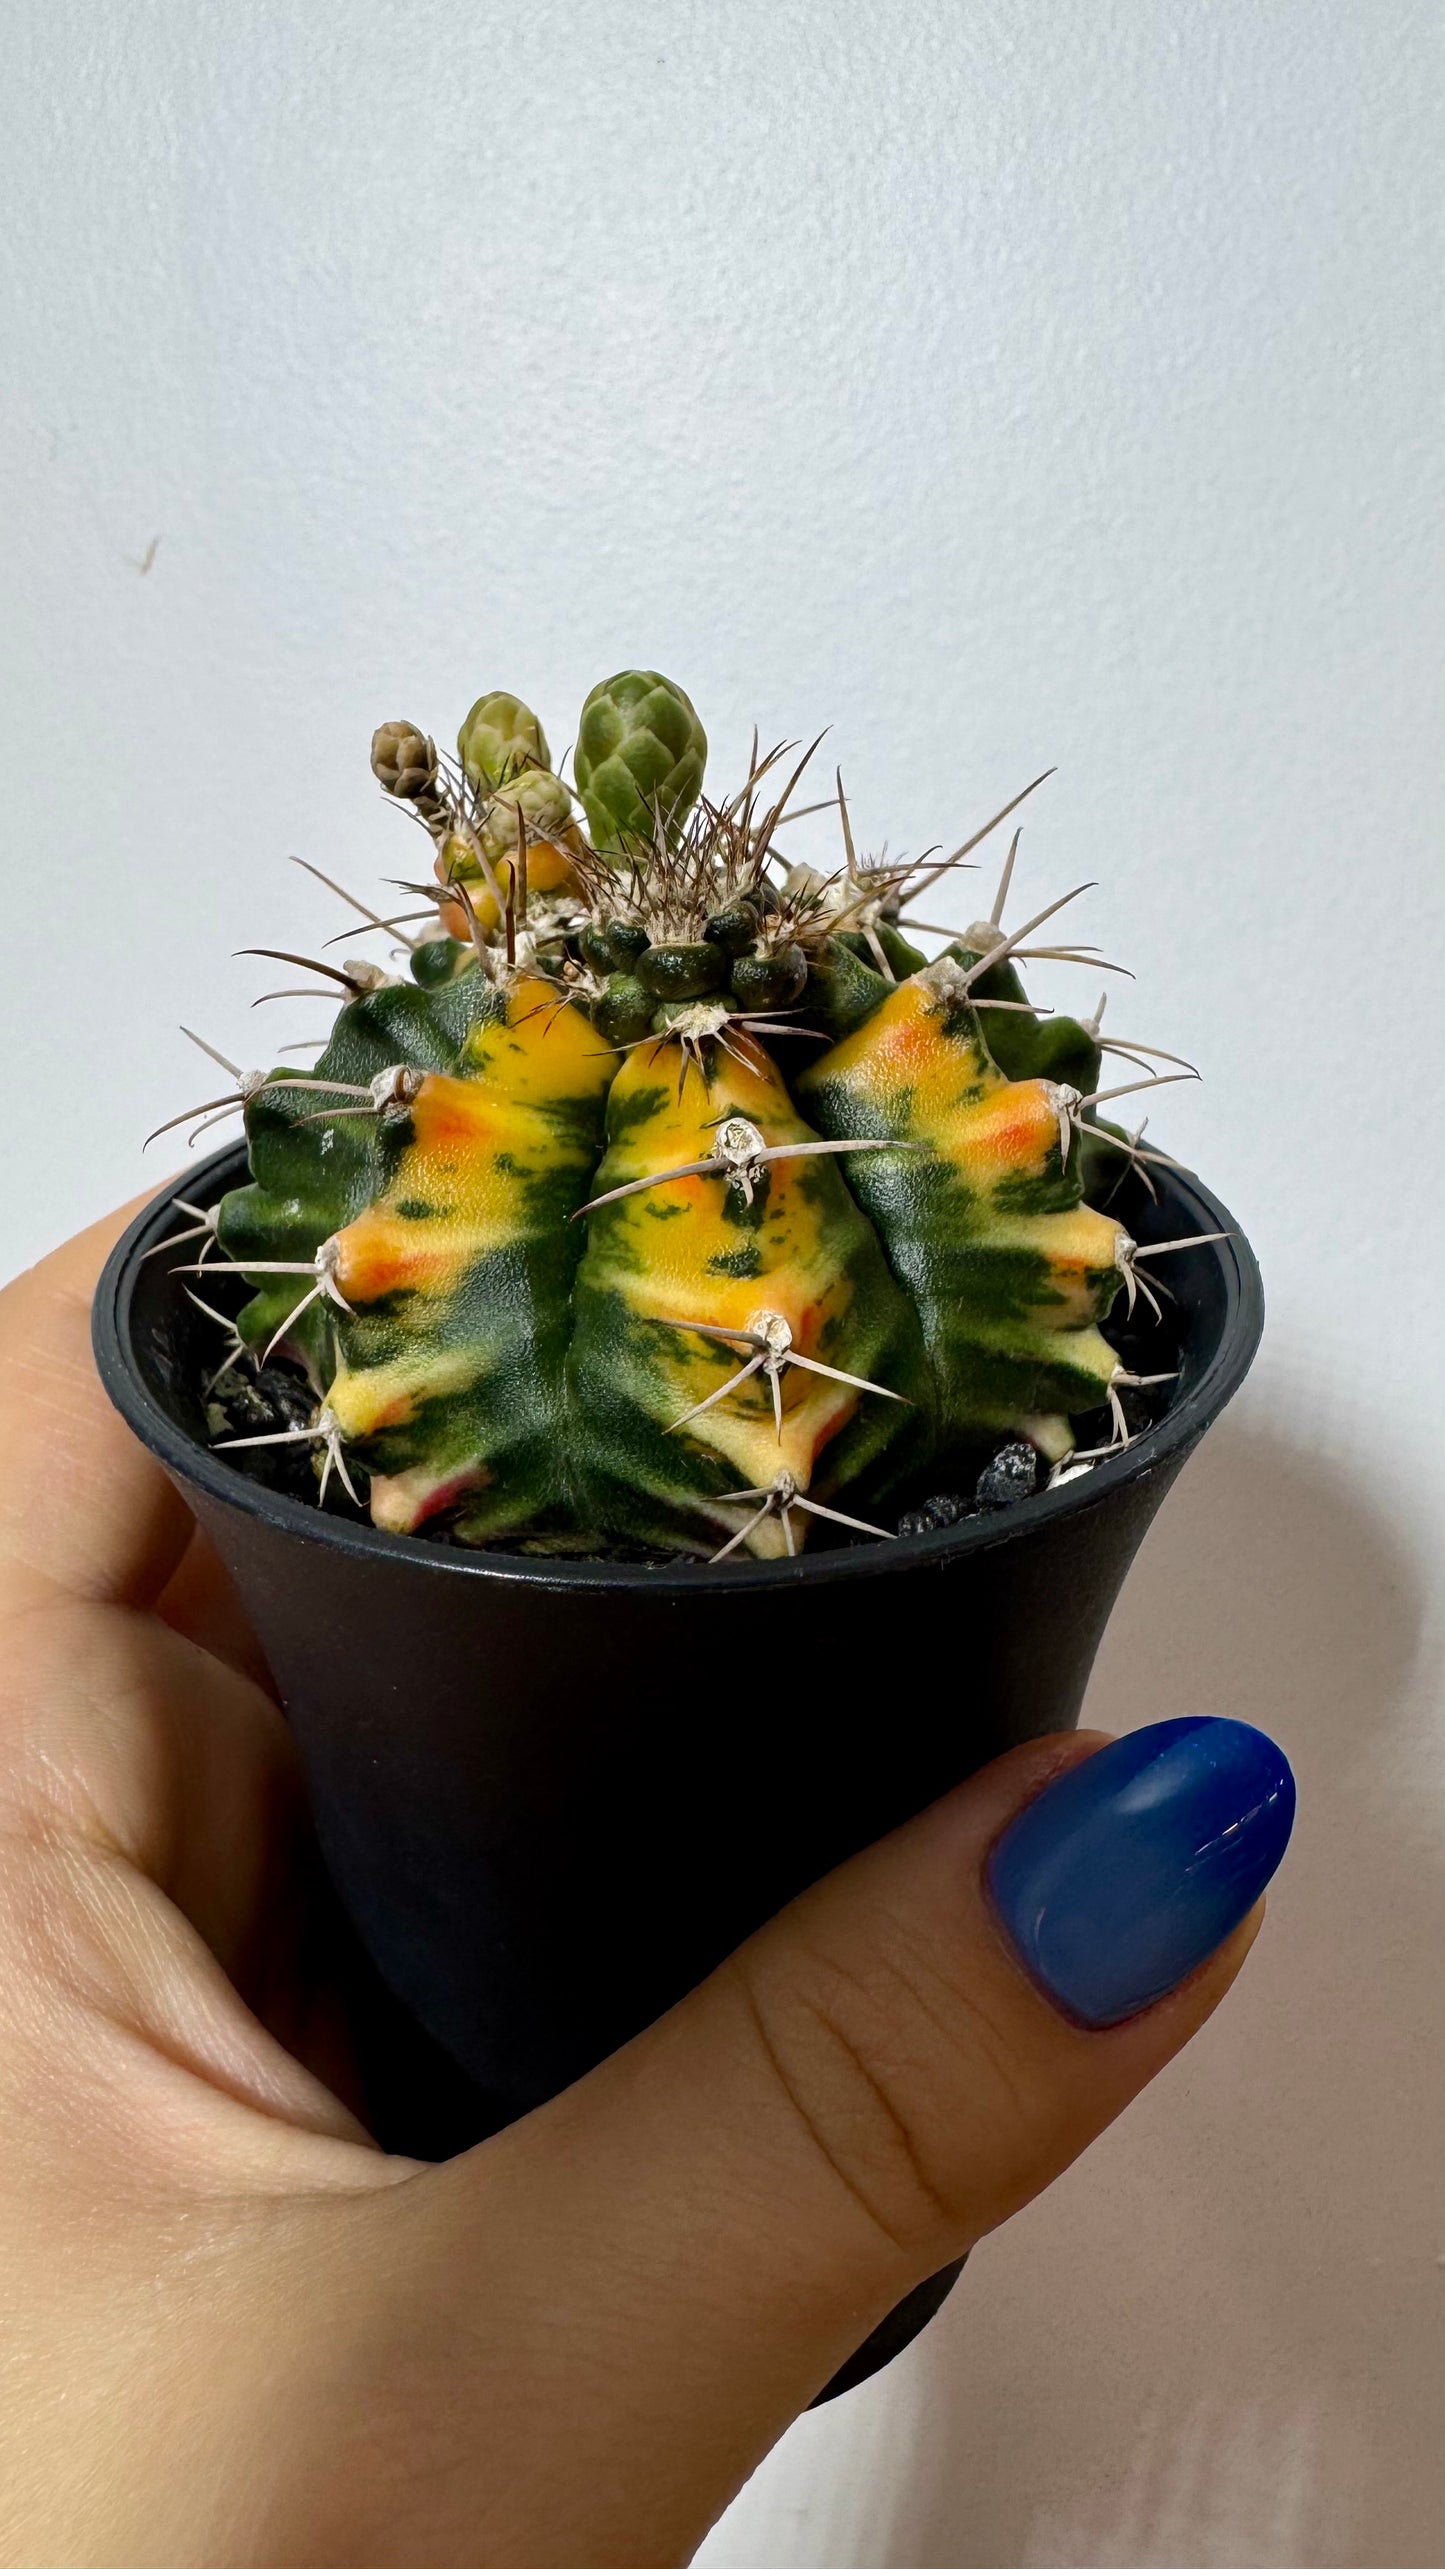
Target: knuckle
{"type": "Point", "coordinates": [894, 2078]}
{"type": "Point", "coordinates": [977, 2035]}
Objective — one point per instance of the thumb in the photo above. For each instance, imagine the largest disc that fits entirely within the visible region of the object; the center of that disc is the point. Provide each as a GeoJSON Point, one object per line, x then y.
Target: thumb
{"type": "Point", "coordinates": [676, 2255]}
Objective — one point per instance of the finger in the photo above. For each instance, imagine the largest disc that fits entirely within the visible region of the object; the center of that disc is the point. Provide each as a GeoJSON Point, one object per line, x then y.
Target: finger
{"type": "Point", "coordinates": [727, 2208]}
{"type": "Point", "coordinates": [119, 1735]}
{"type": "Point", "coordinates": [83, 1507]}
{"type": "Point", "coordinates": [157, 1881]}
{"type": "Point", "coordinates": [200, 1601]}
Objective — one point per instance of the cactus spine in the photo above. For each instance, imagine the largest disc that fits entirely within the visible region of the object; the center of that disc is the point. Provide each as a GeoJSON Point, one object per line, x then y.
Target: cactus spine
{"type": "Point", "coordinates": [675, 1198]}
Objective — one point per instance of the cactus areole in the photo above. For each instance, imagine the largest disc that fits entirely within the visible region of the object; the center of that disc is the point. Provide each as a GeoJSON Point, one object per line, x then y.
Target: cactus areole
{"type": "Point", "coordinates": [669, 1198]}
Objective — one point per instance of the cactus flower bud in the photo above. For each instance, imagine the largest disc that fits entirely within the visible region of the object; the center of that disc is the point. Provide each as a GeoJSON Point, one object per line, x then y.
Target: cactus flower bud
{"type": "Point", "coordinates": [404, 761]}
{"type": "Point", "coordinates": [500, 739]}
{"type": "Point", "coordinates": [537, 792]}
{"type": "Point", "coordinates": [640, 751]}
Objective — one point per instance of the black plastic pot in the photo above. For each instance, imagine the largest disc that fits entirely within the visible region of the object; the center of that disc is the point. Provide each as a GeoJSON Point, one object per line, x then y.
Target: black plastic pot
{"type": "Point", "coordinates": [553, 1797]}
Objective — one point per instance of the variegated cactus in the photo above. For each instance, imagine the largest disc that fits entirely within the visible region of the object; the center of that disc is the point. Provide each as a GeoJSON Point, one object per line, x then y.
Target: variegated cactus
{"type": "Point", "coordinates": [674, 1199]}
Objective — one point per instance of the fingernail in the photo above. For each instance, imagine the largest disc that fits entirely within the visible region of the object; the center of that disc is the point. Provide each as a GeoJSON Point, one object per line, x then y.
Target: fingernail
{"type": "Point", "coordinates": [1122, 1877]}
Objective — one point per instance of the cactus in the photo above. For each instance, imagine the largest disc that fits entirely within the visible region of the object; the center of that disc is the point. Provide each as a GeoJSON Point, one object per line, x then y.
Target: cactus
{"type": "Point", "coordinates": [674, 1200]}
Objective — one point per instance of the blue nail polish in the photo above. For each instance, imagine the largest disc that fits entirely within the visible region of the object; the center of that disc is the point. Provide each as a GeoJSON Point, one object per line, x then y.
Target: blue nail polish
{"type": "Point", "coordinates": [1122, 1877]}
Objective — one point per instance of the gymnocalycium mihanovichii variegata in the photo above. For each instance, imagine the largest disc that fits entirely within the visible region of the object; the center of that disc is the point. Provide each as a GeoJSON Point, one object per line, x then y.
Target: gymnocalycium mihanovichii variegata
{"type": "Point", "coordinates": [671, 1200]}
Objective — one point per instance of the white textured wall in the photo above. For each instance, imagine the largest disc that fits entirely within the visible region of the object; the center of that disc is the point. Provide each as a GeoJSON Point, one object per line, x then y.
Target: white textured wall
{"type": "Point", "coordinates": [1005, 384]}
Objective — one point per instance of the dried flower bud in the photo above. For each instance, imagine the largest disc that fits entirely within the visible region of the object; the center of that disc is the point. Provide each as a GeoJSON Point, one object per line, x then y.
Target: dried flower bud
{"type": "Point", "coordinates": [404, 761]}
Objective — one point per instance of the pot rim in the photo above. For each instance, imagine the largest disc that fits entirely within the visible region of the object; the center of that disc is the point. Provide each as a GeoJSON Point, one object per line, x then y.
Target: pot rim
{"type": "Point", "coordinates": [189, 1461]}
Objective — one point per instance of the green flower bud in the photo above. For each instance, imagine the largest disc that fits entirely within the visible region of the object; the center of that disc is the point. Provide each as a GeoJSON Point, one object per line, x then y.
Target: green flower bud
{"type": "Point", "coordinates": [500, 738]}
{"type": "Point", "coordinates": [640, 749]}
{"type": "Point", "coordinates": [537, 792]}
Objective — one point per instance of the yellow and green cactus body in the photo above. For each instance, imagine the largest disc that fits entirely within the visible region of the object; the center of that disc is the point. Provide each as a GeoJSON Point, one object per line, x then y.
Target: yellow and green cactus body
{"type": "Point", "coordinates": [444, 1371]}
{"type": "Point", "coordinates": [460, 1274]}
{"type": "Point", "coordinates": [694, 1250]}
{"type": "Point", "coordinates": [1060, 1048]}
{"type": "Point", "coordinates": [1023, 1045]}
{"type": "Point", "coordinates": [308, 1177]}
{"type": "Point", "coordinates": [982, 1219]}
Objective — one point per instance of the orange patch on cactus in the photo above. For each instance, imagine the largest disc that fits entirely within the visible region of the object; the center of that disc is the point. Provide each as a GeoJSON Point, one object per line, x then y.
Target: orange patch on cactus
{"type": "Point", "coordinates": [477, 1146]}
{"type": "Point", "coordinates": [1012, 1130]}
{"type": "Point", "coordinates": [902, 1058]}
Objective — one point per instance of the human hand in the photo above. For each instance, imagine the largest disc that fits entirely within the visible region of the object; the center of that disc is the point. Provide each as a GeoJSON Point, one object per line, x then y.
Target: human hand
{"type": "Point", "coordinates": [237, 2333]}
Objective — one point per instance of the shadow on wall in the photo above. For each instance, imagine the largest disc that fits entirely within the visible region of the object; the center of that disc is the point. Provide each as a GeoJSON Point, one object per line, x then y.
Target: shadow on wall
{"type": "Point", "coordinates": [1216, 2344]}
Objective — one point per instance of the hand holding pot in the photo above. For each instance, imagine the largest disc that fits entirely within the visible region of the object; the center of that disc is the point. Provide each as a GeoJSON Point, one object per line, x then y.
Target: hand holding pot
{"type": "Point", "coordinates": [240, 2333]}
